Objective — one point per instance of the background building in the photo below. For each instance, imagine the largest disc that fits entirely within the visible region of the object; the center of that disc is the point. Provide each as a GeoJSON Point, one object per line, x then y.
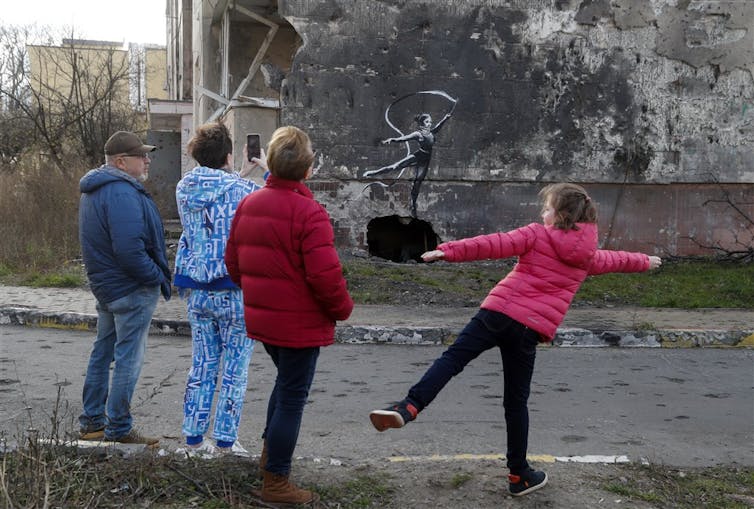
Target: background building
{"type": "Point", "coordinates": [648, 103]}
{"type": "Point", "coordinates": [96, 82]}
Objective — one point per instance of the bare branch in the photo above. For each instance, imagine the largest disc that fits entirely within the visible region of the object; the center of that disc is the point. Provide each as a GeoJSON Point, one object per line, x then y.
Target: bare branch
{"type": "Point", "coordinates": [72, 96]}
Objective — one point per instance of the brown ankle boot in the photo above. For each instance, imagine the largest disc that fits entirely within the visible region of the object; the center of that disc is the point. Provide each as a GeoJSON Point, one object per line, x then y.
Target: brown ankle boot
{"type": "Point", "coordinates": [263, 460]}
{"type": "Point", "coordinates": [278, 489]}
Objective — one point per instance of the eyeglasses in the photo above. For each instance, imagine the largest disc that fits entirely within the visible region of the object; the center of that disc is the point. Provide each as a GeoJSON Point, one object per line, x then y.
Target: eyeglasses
{"type": "Point", "coordinates": [144, 157]}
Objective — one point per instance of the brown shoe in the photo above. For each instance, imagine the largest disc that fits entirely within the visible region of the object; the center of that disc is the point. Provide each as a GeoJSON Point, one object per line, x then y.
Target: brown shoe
{"type": "Point", "coordinates": [263, 459]}
{"type": "Point", "coordinates": [134, 437]}
{"type": "Point", "coordinates": [278, 489]}
{"type": "Point", "coordinates": [97, 434]}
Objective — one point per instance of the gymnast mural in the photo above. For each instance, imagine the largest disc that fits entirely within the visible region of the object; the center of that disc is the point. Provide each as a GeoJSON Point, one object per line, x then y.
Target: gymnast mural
{"type": "Point", "coordinates": [424, 136]}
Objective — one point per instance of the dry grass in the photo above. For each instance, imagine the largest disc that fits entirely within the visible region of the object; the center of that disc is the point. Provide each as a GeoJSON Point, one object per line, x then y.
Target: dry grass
{"type": "Point", "coordinates": [39, 207]}
{"type": "Point", "coordinates": [44, 469]}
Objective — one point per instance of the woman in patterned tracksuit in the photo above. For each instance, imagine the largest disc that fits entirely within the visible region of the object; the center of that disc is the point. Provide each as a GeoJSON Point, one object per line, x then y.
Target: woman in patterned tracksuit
{"type": "Point", "coordinates": [207, 198]}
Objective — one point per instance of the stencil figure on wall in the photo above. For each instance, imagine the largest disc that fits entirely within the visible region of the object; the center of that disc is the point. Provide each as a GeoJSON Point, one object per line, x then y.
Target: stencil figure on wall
{"type": "Point", "coordinates": [424, 137]}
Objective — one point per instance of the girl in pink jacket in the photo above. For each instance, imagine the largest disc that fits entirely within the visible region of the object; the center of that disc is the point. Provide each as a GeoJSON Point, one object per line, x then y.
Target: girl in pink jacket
{"type": "Point", "coordinates": [525, 308]}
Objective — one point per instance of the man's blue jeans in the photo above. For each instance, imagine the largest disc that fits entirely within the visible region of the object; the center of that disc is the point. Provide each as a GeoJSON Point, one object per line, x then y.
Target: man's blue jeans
{"type": "Point", "coordinates": [518, 348]}
{"type": "Point", "coordinates": [122, 327]}
{"type": "Point", "coordinates": [296, 367]}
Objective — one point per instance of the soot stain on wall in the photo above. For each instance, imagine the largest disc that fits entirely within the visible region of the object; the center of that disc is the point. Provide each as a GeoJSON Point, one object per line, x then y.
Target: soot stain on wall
{"type": "Point", "coordinates": [509, 92]}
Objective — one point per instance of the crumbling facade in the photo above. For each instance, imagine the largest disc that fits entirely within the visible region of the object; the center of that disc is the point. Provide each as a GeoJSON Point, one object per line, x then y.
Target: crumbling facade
{"type": "Point", "coordinates": [647, 103]}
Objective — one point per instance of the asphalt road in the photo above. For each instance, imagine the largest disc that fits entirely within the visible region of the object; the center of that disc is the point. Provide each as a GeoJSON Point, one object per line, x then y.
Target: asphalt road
{"type": "Point", "coordinates": [685, 407]}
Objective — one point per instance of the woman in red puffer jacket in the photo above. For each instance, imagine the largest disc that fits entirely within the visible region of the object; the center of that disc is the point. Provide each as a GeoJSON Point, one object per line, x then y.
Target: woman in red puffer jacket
{"type": "Point", "coordinates": [281, 253]}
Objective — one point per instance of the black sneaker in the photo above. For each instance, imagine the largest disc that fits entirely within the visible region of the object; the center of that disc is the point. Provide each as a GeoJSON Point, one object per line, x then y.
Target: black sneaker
{"type": "Point", "coordinates": [526, 482]}
{"type": "Point", "coordinates": [395, 416]}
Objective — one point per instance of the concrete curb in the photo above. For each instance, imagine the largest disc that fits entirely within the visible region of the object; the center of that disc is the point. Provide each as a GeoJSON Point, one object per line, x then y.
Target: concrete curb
{"type": "Point", "coordinates": [16, 315]}
{"type": "Point", "coordinates": [365, 334]}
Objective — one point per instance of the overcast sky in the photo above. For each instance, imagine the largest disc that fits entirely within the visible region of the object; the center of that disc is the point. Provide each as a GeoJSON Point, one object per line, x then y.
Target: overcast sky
{"type": "Point", "coordinates": [141, 21]}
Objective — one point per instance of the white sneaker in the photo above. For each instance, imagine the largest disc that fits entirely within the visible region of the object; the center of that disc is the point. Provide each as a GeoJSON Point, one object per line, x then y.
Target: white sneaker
{"type": "Point", "coordinates": [236, 450]}
{"type": "Point", "coordinates": [204, 450]}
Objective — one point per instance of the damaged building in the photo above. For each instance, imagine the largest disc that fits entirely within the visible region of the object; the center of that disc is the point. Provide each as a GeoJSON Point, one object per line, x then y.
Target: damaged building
{"type": "Point", "coordinates": [649, 104]}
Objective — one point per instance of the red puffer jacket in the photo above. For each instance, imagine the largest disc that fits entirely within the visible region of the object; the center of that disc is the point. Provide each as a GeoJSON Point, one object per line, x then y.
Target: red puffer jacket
{"type": "Point", "coordinates": [552, 265]}
{"type": "Point", "coordinates": [281, 253]}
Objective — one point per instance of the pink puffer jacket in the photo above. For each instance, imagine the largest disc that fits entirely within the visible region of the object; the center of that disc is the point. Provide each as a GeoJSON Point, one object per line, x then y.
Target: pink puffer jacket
{"type": "Point", "coordinates": [551, 266]}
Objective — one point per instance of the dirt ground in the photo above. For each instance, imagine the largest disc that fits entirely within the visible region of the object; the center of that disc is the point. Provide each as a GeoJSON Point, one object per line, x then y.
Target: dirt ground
{"type": "Point", "coordinates": [478, 484]}
{"type": "Point", "coordinates": [483, 484]}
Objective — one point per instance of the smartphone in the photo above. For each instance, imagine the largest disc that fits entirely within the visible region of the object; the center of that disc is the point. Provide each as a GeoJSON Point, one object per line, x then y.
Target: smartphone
{"type": "Point", "coordinates": [253, 146]}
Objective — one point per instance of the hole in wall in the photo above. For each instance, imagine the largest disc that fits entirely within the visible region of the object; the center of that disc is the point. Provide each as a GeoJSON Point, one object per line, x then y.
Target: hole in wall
{"type": "Point", "coordinates": [400, 239]}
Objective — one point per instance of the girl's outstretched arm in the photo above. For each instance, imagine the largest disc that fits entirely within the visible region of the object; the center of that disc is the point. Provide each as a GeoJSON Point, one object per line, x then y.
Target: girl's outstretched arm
{"type": "Point", "coordinates": [486, 247]}
{"type": "Point", "coordinates": [411, 136]}
{"type": "Point", "coordinates": [606, 261]}
{"type": "Point", "coordinates": [431, 256]}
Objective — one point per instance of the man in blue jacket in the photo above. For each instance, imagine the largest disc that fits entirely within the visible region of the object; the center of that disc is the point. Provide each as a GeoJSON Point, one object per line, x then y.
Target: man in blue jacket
{"type": "Point", "coordinates": [123, 247]}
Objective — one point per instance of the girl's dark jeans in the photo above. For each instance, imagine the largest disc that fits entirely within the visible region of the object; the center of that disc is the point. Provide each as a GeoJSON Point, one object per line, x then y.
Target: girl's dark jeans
{"type": "Point", "coordinates": [295, 368]}
{"type": "Point", "coordinates": [518, 348]}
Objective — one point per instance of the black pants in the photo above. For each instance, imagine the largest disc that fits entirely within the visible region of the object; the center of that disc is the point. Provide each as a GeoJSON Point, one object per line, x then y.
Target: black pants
{"type": "Point", "coordinates": [518, 348]}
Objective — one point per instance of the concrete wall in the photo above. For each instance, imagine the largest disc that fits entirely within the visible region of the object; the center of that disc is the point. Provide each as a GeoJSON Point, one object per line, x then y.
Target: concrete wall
{"type": "Point", "coordinates": [649, 103]}
{"type": "Point", "coordinates": [179, 49]}
{"type": "Point", "coordinates": [164, 171]}
{"type": "Point", "coordinates": [243, 121]}
{"type": "Point", "coordinates": [245, 40]}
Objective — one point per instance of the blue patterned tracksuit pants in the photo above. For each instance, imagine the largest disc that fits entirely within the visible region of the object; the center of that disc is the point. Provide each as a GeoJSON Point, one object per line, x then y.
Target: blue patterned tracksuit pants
{"type": "Point", "coordinates": [218, 337]}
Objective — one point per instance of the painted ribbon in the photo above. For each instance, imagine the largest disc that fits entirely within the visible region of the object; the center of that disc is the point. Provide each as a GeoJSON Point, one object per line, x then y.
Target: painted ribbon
{"type": "Point", "coordinates": [400, 133]}
{"type": "Point", "coordinates": [425, 92]}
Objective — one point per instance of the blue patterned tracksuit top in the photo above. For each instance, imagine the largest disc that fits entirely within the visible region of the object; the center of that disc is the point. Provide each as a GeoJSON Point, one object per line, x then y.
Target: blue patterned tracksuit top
{"type": "Point", "coordinates": [207, 200]}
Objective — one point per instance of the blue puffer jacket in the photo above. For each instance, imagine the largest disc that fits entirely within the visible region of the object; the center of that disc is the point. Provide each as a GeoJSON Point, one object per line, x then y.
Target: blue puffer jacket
{"type": "Point", "coordinates": [121, 235]}
{"type": "Point", "coordinates": [207, 200]}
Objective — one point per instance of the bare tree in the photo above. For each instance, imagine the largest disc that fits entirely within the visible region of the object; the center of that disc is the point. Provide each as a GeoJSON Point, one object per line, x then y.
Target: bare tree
{"type": "Point", "coordinates": [740, 247]}
{"type": "Point", "coordinates": [72, 95]}
{"type": "Point", "coordinates": [16, 131]}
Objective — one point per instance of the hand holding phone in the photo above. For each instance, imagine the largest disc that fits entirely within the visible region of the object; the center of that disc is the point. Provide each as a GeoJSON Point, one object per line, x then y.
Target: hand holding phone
{"type": "Point", "coordinates": [253, 146]}
{"type": "Point", "coordinates": [255, 170]}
